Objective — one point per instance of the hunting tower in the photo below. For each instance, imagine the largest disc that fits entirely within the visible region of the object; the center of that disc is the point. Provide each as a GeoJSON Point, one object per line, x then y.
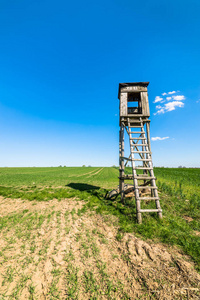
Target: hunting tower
{"type": "Point", "coordinates": [134, 119]}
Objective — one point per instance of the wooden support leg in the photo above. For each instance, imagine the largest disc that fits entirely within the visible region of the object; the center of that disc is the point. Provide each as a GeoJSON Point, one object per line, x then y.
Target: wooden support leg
{"type": "Point", "coordinates": [148, 135]}
{"type": "Point", "coordinates": [157, 202]}
{"type": "Point", "coordinates": [121, 162]}
{"type": "Point", "coordinates": [149, 145]}
{"type": "Point", "coordinates": [144, 163]}
{"type": "Point", "coordinates": [158, 207]}
{"type": "Point", "coordinates": [139, 218]}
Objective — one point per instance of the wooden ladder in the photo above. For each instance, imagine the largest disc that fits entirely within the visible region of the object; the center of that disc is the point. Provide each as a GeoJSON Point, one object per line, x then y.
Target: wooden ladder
{"type": "Point", "coordinates": [140, 146]}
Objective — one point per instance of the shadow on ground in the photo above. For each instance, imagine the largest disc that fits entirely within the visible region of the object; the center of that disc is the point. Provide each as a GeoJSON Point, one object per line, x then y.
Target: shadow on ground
{"type": "Point", "coordinates": [82, 186]}
{"type": "Point", "coordinates": [90, 189]}
{"type": "Point", "coordinates": [127, 209]}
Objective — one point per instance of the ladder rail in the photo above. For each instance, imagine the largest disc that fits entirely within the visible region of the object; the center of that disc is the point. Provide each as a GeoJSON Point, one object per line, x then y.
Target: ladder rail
{"type": "Point", "coordinates": [153, 182]}
{"type": "Point", "coordinates": [136, 190]}
{"type": "Point", "coordinates": [146, 158]}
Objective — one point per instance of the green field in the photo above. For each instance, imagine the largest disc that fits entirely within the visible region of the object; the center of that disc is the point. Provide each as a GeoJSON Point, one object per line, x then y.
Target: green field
{"type": "Point", "coordinates": [61, 239]}
{"type": "Point", "coordinates": [179, 194]}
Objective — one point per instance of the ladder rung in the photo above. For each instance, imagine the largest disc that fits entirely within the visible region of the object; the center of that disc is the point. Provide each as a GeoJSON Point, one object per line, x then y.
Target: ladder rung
{"type": "Point", "coordinates": [140, 132]}
{"type": "Point", "coordinates": [136, 127]}
{"type": "Point", "coordinates": [138, 145]}
{"type": "Point", "coordinates": [135, 159]}
{"type": "Point", "coordinates": [150, 210]}
{"type": "Point", "coordinates": [134, 121]}
{"type": "Point", "coordinates": [137, 138]}
{"type": "Point", "coordinates": [143, 168]}
{"type": "Point", "coordinates": [134, 124]}
{"type": "Point", "coordinates": [129, 176]}
{"type": "Point", "coordinates": [145, 178]}
{"type": "Point", "coordinates": [146, 186]}
{"type": "Point", "coordinates": [140, 151]}
{"type": "Point", "coordinates": [142, 175]}
{"type": "Point", "coordinates": [141, 159]}
{"type": "Point", "coordinates": [148, 198]}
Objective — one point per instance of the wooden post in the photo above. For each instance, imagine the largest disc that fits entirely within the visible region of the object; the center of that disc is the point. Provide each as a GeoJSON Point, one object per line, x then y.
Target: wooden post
{"type": "Point", "coordinates": [136, 190]}
{"type": "Point", "coordinates": [144, 163]}
{"type": "Point", "coordinates": [148, 134]}
{"type": "Point", "coordinates": [121, 162]}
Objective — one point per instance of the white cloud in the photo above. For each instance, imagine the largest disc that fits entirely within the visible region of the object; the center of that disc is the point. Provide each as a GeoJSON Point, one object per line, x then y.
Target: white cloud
{"type": "Point", "coordinates": [179, 98]}
{"type": "Point", "coordinates": [158, 106]}
{"type": "Point", "coordinates": [172, 105]}
{"type": "Point", "coordinates": [161, 111]}
{"type": "Point", "coordinates": [157, 138]}
{"type": "Point", "coordinates": [158, 99]}
{"type": "Point", "coordinates": [168, 107]}
{"type": "Point", "coordinates": [196, 101]}
{"type": "Point", "coordinates": [169, 103]}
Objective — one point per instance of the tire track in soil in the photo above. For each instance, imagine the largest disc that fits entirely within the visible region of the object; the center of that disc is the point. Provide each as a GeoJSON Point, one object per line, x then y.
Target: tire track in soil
{"type": "Point", "coordinates": [82, 174]}
{"type": "Point", "coordinates": [95, 173]}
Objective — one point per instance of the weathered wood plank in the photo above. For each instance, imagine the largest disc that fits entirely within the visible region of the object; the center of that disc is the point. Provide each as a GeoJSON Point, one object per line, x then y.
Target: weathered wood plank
{"type": "Point", "coordinates": [129, 89]}
{"type": "Point", "coordinates": [145, 104]}
{"type": "Point", "coordinates": [123, 105]}
{"type": "Point", "coordinates": [151, 210]}
{"type": "Point", "coordinates": [136, 115]}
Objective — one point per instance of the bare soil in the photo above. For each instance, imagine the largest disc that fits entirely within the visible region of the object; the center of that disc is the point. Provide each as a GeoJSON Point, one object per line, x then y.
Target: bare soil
{"type": "Point", "coordinates": [52, 250]}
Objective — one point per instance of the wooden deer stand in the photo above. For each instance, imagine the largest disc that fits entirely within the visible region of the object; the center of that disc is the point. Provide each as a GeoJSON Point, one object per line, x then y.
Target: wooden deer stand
{"type": "Point", "coordinates": [134, 115]}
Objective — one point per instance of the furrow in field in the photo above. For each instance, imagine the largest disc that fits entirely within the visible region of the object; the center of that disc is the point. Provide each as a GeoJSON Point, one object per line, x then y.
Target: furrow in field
{"type": "Point", "coordinates": [56, 250]}
{"type": "Point", "coordinates": [74, 175]}
{"type": "Point", "coordinates": [95, 173]}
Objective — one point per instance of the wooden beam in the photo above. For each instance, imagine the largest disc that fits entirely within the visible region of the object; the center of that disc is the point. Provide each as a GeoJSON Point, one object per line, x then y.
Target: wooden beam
{"type": "Point", "coordinates": [129, 89]}
{"type": "Point", "coordinates": [121, 162]}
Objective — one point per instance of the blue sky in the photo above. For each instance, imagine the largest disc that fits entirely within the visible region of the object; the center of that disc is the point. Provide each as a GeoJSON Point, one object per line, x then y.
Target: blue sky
{"type": "Point", "coordinates": [60, 66]}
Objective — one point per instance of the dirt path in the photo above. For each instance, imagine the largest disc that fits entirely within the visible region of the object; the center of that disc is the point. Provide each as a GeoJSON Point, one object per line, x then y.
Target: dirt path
{"type": "Point", "coordinates": [55, 250]}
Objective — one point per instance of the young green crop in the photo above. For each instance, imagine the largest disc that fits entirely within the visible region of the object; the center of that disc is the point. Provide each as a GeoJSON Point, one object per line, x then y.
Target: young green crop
{"type": "Point", "coordinates": [179, 193]}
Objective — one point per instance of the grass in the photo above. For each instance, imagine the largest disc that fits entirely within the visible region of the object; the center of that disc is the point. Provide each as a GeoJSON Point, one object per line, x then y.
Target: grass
{"type": "Point", "coordinates": [179, 194]}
